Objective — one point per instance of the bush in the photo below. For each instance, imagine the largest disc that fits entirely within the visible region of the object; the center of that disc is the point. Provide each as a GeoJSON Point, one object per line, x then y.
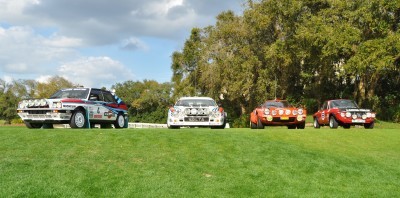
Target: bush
{"type": "Point", "coordinates": [241, 122]}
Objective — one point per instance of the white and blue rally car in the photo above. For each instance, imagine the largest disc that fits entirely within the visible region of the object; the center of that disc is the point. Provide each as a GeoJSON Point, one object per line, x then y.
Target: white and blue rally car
{"type": "Point", "coordinates": [78, 107]}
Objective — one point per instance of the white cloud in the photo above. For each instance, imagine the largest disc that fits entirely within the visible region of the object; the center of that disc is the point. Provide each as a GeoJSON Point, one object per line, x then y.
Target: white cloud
{"type": "Point", "coordinates": [95, 72]}
{"type": "Point", "coordinates": [23, 51]}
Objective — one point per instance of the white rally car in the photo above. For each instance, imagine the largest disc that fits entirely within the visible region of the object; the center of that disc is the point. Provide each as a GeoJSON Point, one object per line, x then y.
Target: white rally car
{"type": "Point", "coordinates": [196, 111]}
{"type": "Point", "coordinates": [78, 107]}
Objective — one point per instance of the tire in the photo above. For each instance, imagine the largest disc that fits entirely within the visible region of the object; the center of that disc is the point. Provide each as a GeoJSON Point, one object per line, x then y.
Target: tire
{"type": "Point", "coordinates": [316, 123]}
{"type": "Point", "coordinates": [369, 126]}
{"type": "Point", "coordinates": [301, 126]}
{"type": "Point", "coordinates": [252, 125]}
{"type": "Point", "coordinates": [33, 125]}
{"type": "Point", "coordinates": [346, 126]}
{"type": "Point", "coordinates": [119, 122]}
{"type": "Point", "coordinates": [333, 124]}
{"type": "Point", "coordinates": [174, 127]}
{"type": "Point", "coordinates": [259, 124]}
{"type": "Point", "coordinates": [78, 120]}
{"type": "Point", "coordinates": [48, 126]}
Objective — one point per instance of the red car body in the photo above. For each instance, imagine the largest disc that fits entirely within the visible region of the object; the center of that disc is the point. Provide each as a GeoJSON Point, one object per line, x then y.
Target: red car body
{"type": "Point", "coordinates": [345, 113]}
{"type": "Point", "coordinates": [277, 113]}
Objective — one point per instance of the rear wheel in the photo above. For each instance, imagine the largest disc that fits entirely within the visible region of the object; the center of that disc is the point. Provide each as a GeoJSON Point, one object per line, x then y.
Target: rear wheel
{"type": "Point", "coordinates": [119, 122]}
{"type": "Point", "coordinates": [78, 120]}
{"type": "Point", "coordinates": [333, 123]}
{"type": "Point", "coordinates": [316, 123]}
{"type": "Point", "coordinates": [33, 125]}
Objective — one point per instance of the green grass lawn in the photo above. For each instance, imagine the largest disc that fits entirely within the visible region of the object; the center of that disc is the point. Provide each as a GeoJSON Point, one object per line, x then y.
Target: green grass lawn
{"type": "Point", "coordinates": [200, 162]}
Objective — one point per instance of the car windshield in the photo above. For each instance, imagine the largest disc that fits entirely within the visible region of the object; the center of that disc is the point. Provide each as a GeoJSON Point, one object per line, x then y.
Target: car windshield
{"type": "Point", "coordinates": [279, 104]}
{"type": "Point", "coordinates": [195, 102]}
{"type": "Point", "coordinates": [343, 104]}
{"type": "Point", "coordinates": [71, 93]}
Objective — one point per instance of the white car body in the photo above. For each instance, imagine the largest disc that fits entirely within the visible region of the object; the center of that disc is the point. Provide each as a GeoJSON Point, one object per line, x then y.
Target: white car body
{"type": "Point", "coordinates": [79, 107]}
{"type": "Point", "coordinates": [196, 111]}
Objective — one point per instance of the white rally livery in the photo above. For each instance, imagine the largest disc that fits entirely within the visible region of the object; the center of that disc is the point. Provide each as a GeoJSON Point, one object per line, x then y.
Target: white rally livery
{"type": "Point", "coordinates": [196, 111]}
{"type": "Point", "coordinates": [78, 107]}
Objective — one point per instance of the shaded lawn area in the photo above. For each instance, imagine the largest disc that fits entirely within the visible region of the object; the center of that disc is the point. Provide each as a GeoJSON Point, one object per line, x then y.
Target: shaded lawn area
{"type": "Point", "coordinates": [199, 162]}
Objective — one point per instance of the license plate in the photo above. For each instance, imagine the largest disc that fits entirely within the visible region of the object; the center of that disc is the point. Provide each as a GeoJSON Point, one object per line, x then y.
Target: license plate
{"type": "Point", "coordinates": [358, 121]}
{"type": "Point", "coordinates": [196, 119]}
{"type": "Point", "coordinates": [284, 118]}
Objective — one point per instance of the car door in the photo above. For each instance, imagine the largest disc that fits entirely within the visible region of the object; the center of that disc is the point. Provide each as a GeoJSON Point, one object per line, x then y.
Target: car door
{"type": "Point", "coordinates": [322, 114]}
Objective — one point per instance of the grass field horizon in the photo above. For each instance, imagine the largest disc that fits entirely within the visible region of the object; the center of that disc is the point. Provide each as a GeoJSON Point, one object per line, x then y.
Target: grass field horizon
{"type": "Point", "coordinates": [200, 162]}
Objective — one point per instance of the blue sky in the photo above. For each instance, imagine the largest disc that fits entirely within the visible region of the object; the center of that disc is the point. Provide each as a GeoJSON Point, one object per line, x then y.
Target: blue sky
{"type": "Point", "coordinates": [98, 43]}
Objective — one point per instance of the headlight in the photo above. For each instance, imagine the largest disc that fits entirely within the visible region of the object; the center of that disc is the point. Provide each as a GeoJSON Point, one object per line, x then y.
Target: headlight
{"type": "Point", "coordinates": [300, 111]}
{"type": "Point", "coordinates": [31, 103]}
{"type": "Point", "coordinates": [266, 112]}
{"type": "Point", "coordinates": [281, 112]}
{"type": "Point", "coordinates": [354, 116]}
{"type": "Point", "coordinates": [43, 102]}
{"type": "Point", "coordinates": [369, 115]}
{"type": "Point", "coordinates": [348, 114]}
{"type": "Point", "coordinates": [294, 112]}
{"type": "Point", "coordinates": [36, 103]}
{"type": "Point", "coordinates": [22, 104]}
{"type": "Point", "coordinates": [57, 105]}
{"type": "Point", "coordinates": [364, 116]}
{"type": "Point", "coordinates": [373, 115]}
{"type": "Point", "coordinates": [274, 112]}
{"type": "Point", "coordinates": [342, 114]}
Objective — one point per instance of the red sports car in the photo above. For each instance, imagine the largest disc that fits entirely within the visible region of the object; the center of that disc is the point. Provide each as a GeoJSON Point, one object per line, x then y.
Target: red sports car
{"type": "Point", "coordinates": [278, 113]}
{"type": "Point", "coordinates": [345, 113]}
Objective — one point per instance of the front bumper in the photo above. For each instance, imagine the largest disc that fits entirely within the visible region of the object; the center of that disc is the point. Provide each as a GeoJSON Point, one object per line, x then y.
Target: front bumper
{"type": "Point", "coordinates": [45, 116]}
{"type": "Point", "coordinates": [185, 121]}
{"type": "Point", "coordinates": [283, 120]}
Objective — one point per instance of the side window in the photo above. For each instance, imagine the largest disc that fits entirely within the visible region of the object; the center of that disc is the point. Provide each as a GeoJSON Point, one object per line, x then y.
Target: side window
{"type": "Point", "coordinates": [108, 97]}
{"type": "Point", "coordinates": [95, 95]}
{"type": "Point", "coordinates": [325, 105]}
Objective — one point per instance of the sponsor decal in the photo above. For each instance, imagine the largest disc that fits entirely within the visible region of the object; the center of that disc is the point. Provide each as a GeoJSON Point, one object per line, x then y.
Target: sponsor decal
{"type": "Point", "coordinates": [69, 106]}
{"type": "Point", "coordinates": [323, 115]}
{"type": "Point", "coordinates": [109, 114]}
{"type": "Point", "coordinates": [97, 116]}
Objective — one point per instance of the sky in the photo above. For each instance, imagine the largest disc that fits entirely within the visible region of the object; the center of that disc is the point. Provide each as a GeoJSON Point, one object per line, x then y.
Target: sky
{"type": "Point", "coordinates": [98, 43]}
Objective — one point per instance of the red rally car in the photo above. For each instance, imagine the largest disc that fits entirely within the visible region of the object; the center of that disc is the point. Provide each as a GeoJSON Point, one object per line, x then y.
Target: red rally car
{"type": "Point", "coordinates": [345, 113]}
{"type": "Point", "coordinates": [278, 113]}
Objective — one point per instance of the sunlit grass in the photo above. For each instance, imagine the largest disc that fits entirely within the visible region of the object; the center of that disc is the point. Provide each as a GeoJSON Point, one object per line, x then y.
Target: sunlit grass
{"type": "Point", "coordinates": [199, 162]}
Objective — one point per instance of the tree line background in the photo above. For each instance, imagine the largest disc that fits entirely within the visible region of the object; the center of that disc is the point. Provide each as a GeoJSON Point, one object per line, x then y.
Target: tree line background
{"type": "Point", "coordinates": [305, 51]}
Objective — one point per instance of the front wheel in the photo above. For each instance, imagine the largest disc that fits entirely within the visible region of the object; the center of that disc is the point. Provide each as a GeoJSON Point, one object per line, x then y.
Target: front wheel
{"type": "Point", "coordinates": [119, 122]}
{"type": "Point", "coordinates": [316, 123]}
{"type": "Point", "coordinates": [333, 123]}
{"type": "Point", "coordinates": [369, 126]}
{"type": "Point", "coordinates": [301, 126]}
{"type": "Point", "coordinates": [33, 125]}
{"type": "Point", "coordinates": [78, 120]}
{"type": "Point", "coordinates": [260, 125]}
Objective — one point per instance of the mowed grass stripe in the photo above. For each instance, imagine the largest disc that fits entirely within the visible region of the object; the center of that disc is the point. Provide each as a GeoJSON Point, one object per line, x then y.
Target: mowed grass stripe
{"type": "Point", "coordinates": [199, 162]}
